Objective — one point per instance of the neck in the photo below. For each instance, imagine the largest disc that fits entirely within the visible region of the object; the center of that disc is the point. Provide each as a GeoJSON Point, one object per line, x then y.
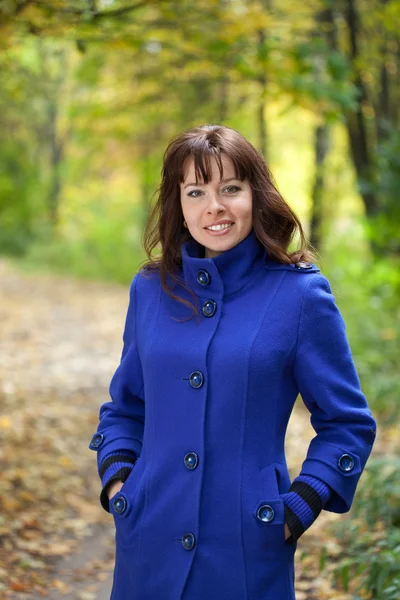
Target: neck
{"type": "Point", "coordinates": [208, 253]}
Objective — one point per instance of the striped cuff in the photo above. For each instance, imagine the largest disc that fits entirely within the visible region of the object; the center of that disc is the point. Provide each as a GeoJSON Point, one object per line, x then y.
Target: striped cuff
{"type": "Point", "coordinates": [116, 465]}
{"type": "Point", "coordinates": [304, 501]}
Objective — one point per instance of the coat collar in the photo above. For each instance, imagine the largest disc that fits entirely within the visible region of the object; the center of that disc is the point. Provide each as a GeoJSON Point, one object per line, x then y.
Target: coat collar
{"type": "Point", "coordinates": [226, 273]}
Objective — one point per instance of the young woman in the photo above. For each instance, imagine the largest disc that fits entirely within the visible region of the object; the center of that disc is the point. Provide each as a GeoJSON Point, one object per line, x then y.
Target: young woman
{"type": "Point", "coordinates": [224, 329]}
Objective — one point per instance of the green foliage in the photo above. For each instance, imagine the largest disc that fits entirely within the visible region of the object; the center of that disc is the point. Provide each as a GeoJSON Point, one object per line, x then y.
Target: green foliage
{"type": "Point", "coordinates": [19, 198]}
{"type": "Point", "coordinates": [84, 127]}
{"type": "Point", "coordinates": [87, 258]}
{"type": "Point", "coordinates": [367, 292]}
{"type": "Point", "coordinates": [370, 563]}
{"type": "Point", "coordinates": [384, 228]}
{"type": "Point", "coordinates": [108, 248]}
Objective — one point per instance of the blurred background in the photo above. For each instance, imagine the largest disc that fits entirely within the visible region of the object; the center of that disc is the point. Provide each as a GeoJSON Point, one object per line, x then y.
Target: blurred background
{"type": "Point", "coordinates": [91, 92]}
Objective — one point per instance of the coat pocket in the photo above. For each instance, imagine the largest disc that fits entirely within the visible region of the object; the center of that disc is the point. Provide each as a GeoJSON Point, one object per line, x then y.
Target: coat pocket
{"type": "Point", "coordinates": [269, 510]}
{"type": "Point", "coordinates": [125, 506]}
{"type": "Point", "coordinates": [132, 475]}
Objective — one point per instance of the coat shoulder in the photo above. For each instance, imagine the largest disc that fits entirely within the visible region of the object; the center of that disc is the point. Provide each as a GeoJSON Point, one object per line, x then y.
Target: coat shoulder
{"type": "Point", "coordinates": [146, 281]}
{"type": "Point", "coordinates": [302, 267]}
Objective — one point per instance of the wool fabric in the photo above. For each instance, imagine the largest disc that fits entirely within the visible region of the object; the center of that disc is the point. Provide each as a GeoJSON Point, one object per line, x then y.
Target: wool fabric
{"type": "Point", "coordinates": [203, 404]}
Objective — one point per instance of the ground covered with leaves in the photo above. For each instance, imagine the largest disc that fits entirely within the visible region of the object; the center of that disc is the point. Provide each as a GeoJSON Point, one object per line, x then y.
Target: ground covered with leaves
{"type": "Point", "coordinates": [60, 343]}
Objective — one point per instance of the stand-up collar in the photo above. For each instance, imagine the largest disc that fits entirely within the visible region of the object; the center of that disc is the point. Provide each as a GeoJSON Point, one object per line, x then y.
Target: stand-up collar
{"type": "Point", "coordinates": [226, 273]}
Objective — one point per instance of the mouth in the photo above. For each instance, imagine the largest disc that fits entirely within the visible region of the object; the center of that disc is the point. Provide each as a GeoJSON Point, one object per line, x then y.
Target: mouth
{"type": "Point", "coordinates": [218, 229]}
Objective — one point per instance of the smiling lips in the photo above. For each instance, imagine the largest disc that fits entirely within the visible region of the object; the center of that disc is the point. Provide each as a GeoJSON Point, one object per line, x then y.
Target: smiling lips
{"type": "Point", "coordinates": [220, 226]}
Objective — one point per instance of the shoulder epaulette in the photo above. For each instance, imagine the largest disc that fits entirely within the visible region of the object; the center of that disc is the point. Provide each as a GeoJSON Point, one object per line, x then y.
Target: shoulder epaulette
{"type": "Point", "coordinates": [300, 267]}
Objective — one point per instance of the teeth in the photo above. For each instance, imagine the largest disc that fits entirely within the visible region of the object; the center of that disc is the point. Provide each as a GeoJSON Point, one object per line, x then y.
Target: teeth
{"type": "Point", "coordinates": [219, 227]}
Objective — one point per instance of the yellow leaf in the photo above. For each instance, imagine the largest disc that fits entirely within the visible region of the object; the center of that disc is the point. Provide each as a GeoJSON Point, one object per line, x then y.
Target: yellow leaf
{"type": "Point", "coordinates": [65, 461]}
{"type": "Point", "coordinates": [5, 423]}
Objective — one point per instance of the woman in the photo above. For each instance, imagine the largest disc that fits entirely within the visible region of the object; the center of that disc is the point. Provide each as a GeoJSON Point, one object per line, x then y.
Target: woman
{"type": "Point", "coordinates": [223, 331]}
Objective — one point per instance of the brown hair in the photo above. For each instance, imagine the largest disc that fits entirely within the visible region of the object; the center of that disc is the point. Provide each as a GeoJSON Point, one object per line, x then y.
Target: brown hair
{"type": "Point", "coordinates": [274, 222]}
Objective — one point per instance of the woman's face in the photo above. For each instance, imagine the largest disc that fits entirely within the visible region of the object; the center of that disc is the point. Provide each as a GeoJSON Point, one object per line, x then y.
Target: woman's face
{"type": "Point", "coordinates": [228, 202]}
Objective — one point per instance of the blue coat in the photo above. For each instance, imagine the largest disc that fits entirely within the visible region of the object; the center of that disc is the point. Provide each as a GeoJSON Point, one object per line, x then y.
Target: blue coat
{"type": "Point", "coordinates": [205, 404]}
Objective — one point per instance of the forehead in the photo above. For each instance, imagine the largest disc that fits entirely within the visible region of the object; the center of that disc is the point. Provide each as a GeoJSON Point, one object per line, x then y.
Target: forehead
{"type": "Point", "coordinates": [204, 169]}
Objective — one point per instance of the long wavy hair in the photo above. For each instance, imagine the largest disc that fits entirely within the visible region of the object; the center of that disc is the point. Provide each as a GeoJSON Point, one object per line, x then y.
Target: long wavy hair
{"type": "Point", "coordinates": [274, 222]}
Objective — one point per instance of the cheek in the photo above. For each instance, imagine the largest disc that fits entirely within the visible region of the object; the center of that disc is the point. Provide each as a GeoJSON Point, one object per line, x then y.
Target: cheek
{"type": "Point", "coordinates": [244, 208]}
{"type": "Point", "coordinates": [190, 212]}
{"type": "Point", "coordinates": [184, 208]}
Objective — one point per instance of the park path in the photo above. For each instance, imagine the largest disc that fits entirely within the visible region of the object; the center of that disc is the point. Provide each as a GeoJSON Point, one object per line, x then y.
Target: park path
{"type": "Point", "coordinates": [59, 345]}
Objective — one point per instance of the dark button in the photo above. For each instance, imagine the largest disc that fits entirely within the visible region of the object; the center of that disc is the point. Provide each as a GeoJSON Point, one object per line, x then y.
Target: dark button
{"type": "Point", "coordinates": [265, 513]}
{"type": "Point", "coordinates": [191, 460]}
{"type": "Point", "coordinates": [209, 308]}
{"type": "Point", "coordinates": [196, 379]}
{"type": "Point", "coordinates": [188, 541]}
{"type": "Point", "coordinates": [303, 265]}
{"type": "Point", "coordinates": [346, 463]}
{"type": "Point", "coordinates": [203, 277]}
{"type": "Point", "coordinates": [97, 440]}
{"type": "Point", "coordinates": [119, 504]}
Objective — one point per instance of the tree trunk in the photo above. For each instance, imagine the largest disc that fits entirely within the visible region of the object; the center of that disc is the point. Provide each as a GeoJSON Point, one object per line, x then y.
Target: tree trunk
{"type": "Point", "coordinates": [357, 130]}
{"type": "Point", "coordinates": [321, 143]}
{"type": "Point", "coordinates": [223, 98]}
{"type": "Point", "coordinates": [263, 81]}
{"type": "Point", "coordinates": [56, 157]}
{"type": "Point", "coordinates": [321, 147]}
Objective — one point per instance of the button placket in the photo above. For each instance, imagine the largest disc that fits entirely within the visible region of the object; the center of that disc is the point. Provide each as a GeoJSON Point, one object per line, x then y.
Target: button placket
{"type": "Point", "coordinates": [196, 381]}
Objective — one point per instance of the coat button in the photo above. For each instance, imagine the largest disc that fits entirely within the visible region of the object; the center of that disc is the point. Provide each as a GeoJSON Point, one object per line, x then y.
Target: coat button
{"type": "Point", "coordinates": [119, 504]}
{"type": "Point", "coordinates": [196, 379]}
{"type": "Point", "coordinates": [346, 463]}
{"type": "Point", "coordinates": [303, 265]}
{"type": "Point", "coordinates": [188, 541]}
{"type": "Point", "coordinates": [209, 308]}
{"type": "Point", "coordinates": [265, 513]}
{"type": "Point", "coordinates": [96, 440]}
{"type": "Point", "coordinates": [203, 277]}
{"type": "Point", "coordinates": [191, 460]}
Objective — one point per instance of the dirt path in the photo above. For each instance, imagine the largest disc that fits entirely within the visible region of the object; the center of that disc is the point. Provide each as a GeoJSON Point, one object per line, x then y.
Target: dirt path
{"type": "Point", "coordinates": [60, 343]}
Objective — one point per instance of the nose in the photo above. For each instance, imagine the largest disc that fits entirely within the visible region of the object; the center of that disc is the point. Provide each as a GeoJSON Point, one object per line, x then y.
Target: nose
{"type": "Point", "coordinates": [215, 205]}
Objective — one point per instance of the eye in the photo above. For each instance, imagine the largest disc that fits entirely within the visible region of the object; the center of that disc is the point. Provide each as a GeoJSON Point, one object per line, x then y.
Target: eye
{"type": "Point", "coordinates": [231, 189]}
{"type": "Point", "coordinates": [192, 192]}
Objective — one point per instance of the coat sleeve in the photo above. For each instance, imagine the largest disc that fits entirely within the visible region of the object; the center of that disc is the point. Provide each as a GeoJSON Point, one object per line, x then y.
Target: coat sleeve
{"type": "Point", "coordinates": [119, 436]}
{"type": "Point", "coordinates": [330, 388]}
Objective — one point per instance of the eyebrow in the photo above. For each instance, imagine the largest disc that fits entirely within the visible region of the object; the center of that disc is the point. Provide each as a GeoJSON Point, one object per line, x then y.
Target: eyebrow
{"type": "Point", "coordinates": [222, 181]}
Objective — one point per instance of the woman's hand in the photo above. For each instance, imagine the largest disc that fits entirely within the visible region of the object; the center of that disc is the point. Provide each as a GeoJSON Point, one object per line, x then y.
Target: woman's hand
{"type": "Point", "coordinates": [114, 487]}
{"type": "Point", "coordinates": [287, 532]}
